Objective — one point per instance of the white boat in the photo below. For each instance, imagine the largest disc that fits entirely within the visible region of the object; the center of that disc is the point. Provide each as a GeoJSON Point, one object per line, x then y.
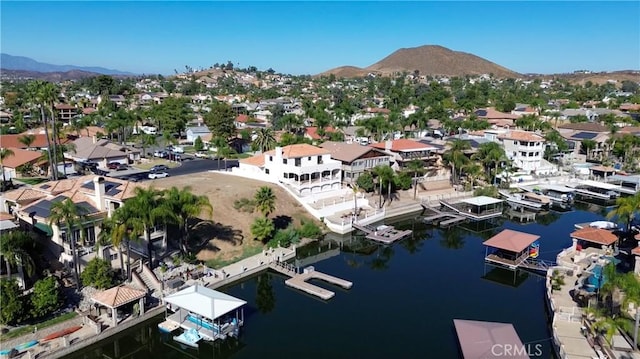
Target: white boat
{"type": "Point", "coordinates": [526, 200]}
{"type": "Point", "coordinates": [557, 194]}
{"type": "Point", "coordinates": [190, 337]}
{"type": "Point", "coordinates": [603, 225]}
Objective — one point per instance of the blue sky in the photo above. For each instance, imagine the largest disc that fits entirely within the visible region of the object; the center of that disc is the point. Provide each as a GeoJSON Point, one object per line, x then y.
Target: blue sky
{"type": "Point", "coordinates": [311, 37]}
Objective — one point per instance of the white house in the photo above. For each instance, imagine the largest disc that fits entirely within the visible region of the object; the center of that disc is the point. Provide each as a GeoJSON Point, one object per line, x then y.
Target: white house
{"type": "Point", "coordinates": [306, 169]}
{"type": "Point", "coordinates": [197, 131]}
{"type": "Point", "coordinates": [526, 150]}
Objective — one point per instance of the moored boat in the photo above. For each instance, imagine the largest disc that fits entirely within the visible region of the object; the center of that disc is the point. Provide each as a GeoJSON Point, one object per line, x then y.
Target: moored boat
{"type": "Point", "coordinates": [61, 333]}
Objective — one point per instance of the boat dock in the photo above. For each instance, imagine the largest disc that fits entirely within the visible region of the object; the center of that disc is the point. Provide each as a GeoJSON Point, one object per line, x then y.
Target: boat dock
{"type": "Point", "coordinates": [517, 202]}
{"type": "Point", "coordinates": [384, 234]}
{"type": "Point", "coordinates": [299, 280]}
{"type": "Point", "coordinates": [476, 208]}
{"type": "Point", "coordinates": [168, 326]}
{"type": "Point", "coordinates": [594, 189]}
{"type": "Point", "coordinates": [440, 218]}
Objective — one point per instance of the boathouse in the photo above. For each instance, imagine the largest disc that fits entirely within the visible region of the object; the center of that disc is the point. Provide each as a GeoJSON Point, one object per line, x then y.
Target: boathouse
{"type": "Point", "coordinates": [509, 248]}
{"type": "Point", "coordinates": [207, 311]}
{"type": "Point", "coordinates": [485, 340]}
{"type": "Point", "coordinates": [477, 208]}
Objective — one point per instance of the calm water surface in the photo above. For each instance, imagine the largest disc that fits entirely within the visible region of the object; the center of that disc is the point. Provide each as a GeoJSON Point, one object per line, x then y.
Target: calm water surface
{"type": "Point", "coordinates": [402, 303]}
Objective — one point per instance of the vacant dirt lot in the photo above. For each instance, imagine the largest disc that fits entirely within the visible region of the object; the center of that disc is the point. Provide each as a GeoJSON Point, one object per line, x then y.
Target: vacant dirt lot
{"type": "Point", "coordinates": [228, 233]}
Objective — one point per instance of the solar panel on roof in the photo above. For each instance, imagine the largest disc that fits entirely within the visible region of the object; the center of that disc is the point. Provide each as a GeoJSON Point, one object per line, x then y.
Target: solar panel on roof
{"type": "Point", "coordinates": [481, 112]}
{"type": "Point", "coordinates": [585, 135]}
{"type": "Point", "coordinates": [45, 186]}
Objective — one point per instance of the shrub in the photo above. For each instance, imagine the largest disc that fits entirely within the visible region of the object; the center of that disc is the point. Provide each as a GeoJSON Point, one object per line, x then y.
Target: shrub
{"type": "Point", "coordinates": [365, 182]}
{"type": "Point", "coordinates": [12, 308]}
{"type": "Point", "coordinates": [285, 237]}
{"type": "Point", "coordinates": [244, 205]}
{"type": "Point", "coordinates": [98, 274]}
{"type": "Point", "coordinates": [46, 297]}
{"type": "Point", "coordinates": [309, 230]}
{"type": "Point", "coordinates": [489, 191]}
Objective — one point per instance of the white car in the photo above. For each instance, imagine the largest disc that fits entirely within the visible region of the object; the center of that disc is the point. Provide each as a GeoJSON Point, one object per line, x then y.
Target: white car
{"type": "Point", "coordinates": [154, 175]}
{"type": "Point", "coordinates": [202, 155]}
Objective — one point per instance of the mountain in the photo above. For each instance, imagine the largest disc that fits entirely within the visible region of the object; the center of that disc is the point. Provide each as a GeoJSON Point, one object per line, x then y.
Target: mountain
{"type": "Point", "coordinates": [10, 62]}
{"type": "Point", "coordinates": [429, 60]}
{"type": "Point", "coordinates": [18, 75]}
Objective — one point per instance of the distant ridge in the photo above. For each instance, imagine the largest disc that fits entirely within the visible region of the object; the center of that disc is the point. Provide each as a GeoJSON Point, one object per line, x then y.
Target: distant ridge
{"type": "Point", "coordinates": [428, 60]}
{"type": "Point", "coordinates": [49, 76]}
{"type": "Point", "coordinates": [10, 62]}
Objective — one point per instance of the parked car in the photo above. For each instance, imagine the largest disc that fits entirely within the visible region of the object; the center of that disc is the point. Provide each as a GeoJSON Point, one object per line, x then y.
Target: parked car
{"type": "Point", "coordinates": [201, 154]}
{"type": "Point", "coordinates": [159, 168]}
{"type": "Point", "coordinates": [154, 175]}
{"type": "Point", "coordinates": [117, 166]}
{"type": "Point", "coordinates": [177, 149]}
{"type": "Point", "coordinates": [160, 154]}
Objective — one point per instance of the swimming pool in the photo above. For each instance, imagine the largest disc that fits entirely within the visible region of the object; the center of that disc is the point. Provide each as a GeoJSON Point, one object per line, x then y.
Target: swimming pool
{"type": "Point", "coordinates": [595, 280]}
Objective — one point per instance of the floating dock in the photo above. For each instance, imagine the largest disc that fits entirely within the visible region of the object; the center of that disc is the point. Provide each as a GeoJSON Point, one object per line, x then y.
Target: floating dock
{"type": "Point", "coordinates": [440, 218]}
{"type": "Point", "coordinates": [168, 326]}
{"type": "Point", "coordinates": [299, 280]}
{"type": "Point", "coordinates": [384, 234]}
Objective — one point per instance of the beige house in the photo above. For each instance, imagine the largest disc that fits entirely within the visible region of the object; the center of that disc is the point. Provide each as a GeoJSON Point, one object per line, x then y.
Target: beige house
{"type": "Point", "coordinates": [356, 159]}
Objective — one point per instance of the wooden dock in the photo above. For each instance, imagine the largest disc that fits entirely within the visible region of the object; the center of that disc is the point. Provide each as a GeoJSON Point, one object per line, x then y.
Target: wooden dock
{"type": "Point", "coordinates": [299, 280]}
{"type": "Point", "coordinates": [384, 234]}
{"type": "Point", "coordinates": [168, 326]}
{"type": "Point", "coordinates": [440, 218]}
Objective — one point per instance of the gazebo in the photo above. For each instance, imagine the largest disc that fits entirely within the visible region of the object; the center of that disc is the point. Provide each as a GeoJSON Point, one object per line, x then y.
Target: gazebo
{"type": "Point", "coordinates": [602, 237]}
{"type": "Point", "coordinates": [116, 297]}
{"type": "Point", "coordinates": [510, 248]}
{"type": "Point", "coordinates": [484, 340]}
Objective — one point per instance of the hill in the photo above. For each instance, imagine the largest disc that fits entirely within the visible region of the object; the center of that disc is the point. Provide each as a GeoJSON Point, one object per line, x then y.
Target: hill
{"type": "Point", "coordinates": [10, 62]}
{"type": "Point", "coordinates": [48, 76]}
{"type": "Point", "coordinates": [429, 60]}
{"type": "Point", "coordinates": [595, 77]}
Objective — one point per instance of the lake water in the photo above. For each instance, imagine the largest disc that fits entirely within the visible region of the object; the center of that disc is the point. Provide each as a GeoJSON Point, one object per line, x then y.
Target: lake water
{"type": "Point", "coordinates": [402, 304]}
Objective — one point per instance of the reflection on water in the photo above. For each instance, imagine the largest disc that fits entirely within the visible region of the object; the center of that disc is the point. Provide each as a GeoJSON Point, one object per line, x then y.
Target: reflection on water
{"type": "Point", "coordinates": [405, 295]}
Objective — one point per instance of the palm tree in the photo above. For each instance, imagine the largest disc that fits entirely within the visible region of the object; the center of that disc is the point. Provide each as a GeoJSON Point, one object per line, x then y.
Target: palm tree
{"type": "Point", "coordinates": [626, 209]}
{"type": "Point", "coordinates": [147, 140]}
{"type": "Point", "coordinates": [262, 228]}
{"type": "Point", "coordinates": [72, 216]}
{"type": "Point", "coordinates": [114, 232]}
{"type": "Point", "coordinates": [13, 248]}
{"type": "Point", "coordinates": [415, 166]}
{"type": "Point", "coordinates": [149, 208]}
{"type": "Point", "coordinates": [48, 94]}
{"type": "Point", "coordinates": [473, 171]}
{"type": "Point", "coordinates": [455, 156]}
{"type": "Point", "coordinates": [27, 140]}
{"type": "Point", "coordinates": [490, 154]}
{"type": "Point", "coordinates": [265, 139]}
{"type": "Point", "coordinates": [265, 200]}
{"type": "Point", "coordinates": [4, 154]}
{"type": "Point", "coordinates": [187, 205]}
{"type": "Point", "coordinates": [385, 175]}
{"type": "Point", "coordinates": [225, 151]}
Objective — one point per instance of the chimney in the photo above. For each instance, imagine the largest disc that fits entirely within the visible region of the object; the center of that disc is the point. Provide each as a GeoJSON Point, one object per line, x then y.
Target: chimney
{"type": "Point", "coordinates": [95, 139]}
{"type": "Point", "coordinates": [98, 186]}
{"type": "Point", "coordinates": [388, 144]}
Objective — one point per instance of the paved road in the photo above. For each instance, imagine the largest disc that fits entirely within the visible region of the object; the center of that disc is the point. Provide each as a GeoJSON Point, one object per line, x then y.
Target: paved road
{"type": "Point", "coordinates": [199, 165]}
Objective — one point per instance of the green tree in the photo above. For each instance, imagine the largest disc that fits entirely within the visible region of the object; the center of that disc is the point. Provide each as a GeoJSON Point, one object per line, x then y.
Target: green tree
{"type": "Point", "coordinates": [626, 209]}
{"type": "Point", "coordinates": [262, 228]}
{"type": "Point", "coordinates": [587, 146]}
{"type": "Point", "coordinates": [417, 167]}
{"type": "Point", "coordinates": [221, 120]}
{"type": "Point", "coordinates": [186, 206]}
{"type": "Point", "coordinates": [491, 155]}
{"type": "Point", "coordinates": [68, 214]}
{"type": "Point", "coordinates": [385, 175]}
{"type": "Point", "coordinates": [198, 145]}
{"type": "Point", "coordinates": [309, 229]}
{"type": "Point", "coordinates": [4, 154]}
{"type": "Point", "coordinates": [265, 200]}
{"type": "Point", "coordinates": [265, 139]}
{"type": "Point", "coordinates": [27, 140]}
{"type": "Point", "coordinates": [147, 140]}
{"type": "Point", "coordinates": [98, 274]}
{"type": "Point", "coordinates": [365, 182]}
{"type": "Point", "coordinates": [149, 208]}
{"type": "Point", "coordinates": [14, 248]}
{"type": "Point", "coordinates": [12, 308]}
{"type": "Point", "coordinates": [113, 231]}
{"type": "Point", "coordinates": [46, 297]}
{"type": "Point", "coordinates": [455, 156]}
{"type": "Point", "coordinates": [286, 237]}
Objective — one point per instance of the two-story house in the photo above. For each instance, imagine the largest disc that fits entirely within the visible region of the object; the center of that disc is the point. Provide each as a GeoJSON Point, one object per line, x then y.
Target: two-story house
{"type": "Point", "coordinates": [404, 150]}
{"type": "Point", "coordinates": [526, 150]}
{"type": "Point", "coordinates": [355, 159]}
{"type": "Point", "coordinates": [306, 169]}
{"type": "Point", "coordinates": [66, 112]}
{"type": "Point", "coordinates": [97, 196]}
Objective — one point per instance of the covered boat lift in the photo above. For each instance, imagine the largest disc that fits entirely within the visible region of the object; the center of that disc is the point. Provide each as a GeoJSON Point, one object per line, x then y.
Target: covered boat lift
{"type": "Point", "coordinates": [485, 340]}
{"type": "Point", "coordinates": [511, 249]}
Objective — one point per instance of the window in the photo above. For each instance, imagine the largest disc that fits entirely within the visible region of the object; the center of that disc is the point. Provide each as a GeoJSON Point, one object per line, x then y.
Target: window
{"type": "Point", "coordinates": [284, 161]}
{"type": "Point", "coordinates": [319, 160]}
{"type": "Point", "coordinates": [523, 154]}
{"type": "Point", "coordinates": [270, 158]}
{"type": "Point", "coordinates": [266, 170]}
{"type": "Point", "coordinates": [309, 159]}
{"type": "Point", "coordinates": [298, 162]}
{"type": "Point", "coordinates": [537, 154]}
{"type": "Point", "coordinates": [113, 257]}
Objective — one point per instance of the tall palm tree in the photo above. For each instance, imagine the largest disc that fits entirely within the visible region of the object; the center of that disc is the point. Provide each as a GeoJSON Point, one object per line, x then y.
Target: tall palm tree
{"type": "Point", "coordinates": [490, 154]}
{"type": "Point", "coordinates": [113, 232]}
{"type": "Point", "coordinates": [68, 214]}
{"type": "Point", "coordinates": [415, 166]}
{"type": "Point", "coordinates": [385, 175]}
{"type": "Point", "coordinates": [187, 205]}
{"type": "Point", "coordinates": [455, 155]}
{"type": "Point", "coordinates": [27, 140]}
{"type": "Point", "coordinates": [4, 154]}
{"type": "Point", "coordinates": [265, 139]}
{"type": "Point", "coordinates": [13, 246]}
{"type": "Point", "coordinates": [34, 96]}
{"type": "Point", "coordinates": [265, 200]}
{"type": "Point", "coordinates": [149, 208]}
{"type": "Point", "coordinates": [626, 209]}
{"type": "Point", "coordinates": [48, 94]}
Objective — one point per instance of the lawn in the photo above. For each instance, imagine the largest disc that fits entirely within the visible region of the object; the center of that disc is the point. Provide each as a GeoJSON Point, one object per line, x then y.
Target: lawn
{"type": "Point", "coordinates": [154, 162]}
{"type": "Point", "coordinates": [32, 180]}
{"type": "Point", "coordinates": [29, 328]}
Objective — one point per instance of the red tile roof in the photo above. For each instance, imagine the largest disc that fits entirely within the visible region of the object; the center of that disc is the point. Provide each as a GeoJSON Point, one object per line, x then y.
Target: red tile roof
{"type": "Point", "coordinates": [522, 136]}
{"type": "Point", "coordinates": [21, 157]}
{"type": "Point", "coordinates": [595, 235]}
{"type": "Point", "coordinates": [242, 118]}
{"type": "Point", "coordinates": [300, 150]}
{"type": "Point", "coordinates": [118, 296]}
{"type": "Point", "coordinates": [11, 141]}
{"type": "Point", "coordinates": [312, 132]}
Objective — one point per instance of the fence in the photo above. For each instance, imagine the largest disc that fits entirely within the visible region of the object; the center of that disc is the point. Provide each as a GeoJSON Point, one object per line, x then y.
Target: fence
{"type": "Point", "coordinates": [434, 200]}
